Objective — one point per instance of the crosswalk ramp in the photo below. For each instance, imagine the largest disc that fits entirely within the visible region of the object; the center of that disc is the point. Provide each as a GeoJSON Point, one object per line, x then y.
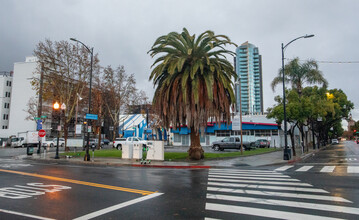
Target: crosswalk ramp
{"type": "Point", "coordinates": [320, 169]}
{"type": "Point", "coordinates": [258, 194]}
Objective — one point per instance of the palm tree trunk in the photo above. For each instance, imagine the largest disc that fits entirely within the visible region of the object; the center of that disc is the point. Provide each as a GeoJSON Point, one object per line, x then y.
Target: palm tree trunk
{"type": "Point", "coordinates": [195, 151]}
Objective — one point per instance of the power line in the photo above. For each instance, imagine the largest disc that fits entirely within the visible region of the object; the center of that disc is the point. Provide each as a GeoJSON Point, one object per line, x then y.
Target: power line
{"type": "Point", "coordinates": [331, 62]}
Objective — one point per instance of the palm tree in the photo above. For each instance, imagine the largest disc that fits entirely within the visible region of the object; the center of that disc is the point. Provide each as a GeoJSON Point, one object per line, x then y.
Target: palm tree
{"type": "Point", "coordinates": [298, 74]}
{"type": "Point", "coordinates": [194, 82]}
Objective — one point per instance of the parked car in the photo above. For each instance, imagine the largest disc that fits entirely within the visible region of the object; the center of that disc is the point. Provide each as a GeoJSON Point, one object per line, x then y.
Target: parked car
{"type": "Point", "coordinates": [105, 141]}
{"type": "Point", "coordinates": [230, 143]}
{"type": "Point", "coordinates": [335, 141]}
{"type": "Point", "coordinates": [61, 142]}
{"type": "Point", "coordinates": [49, 143]}
{"type": "Point", "coordinates": [262, 143]}
{"type": "Point", "coordinates": [137, 140]}
{"type": "Point", "coordinates": [118, 142]}
{"type": "Point", "coordinates": [17, 141]}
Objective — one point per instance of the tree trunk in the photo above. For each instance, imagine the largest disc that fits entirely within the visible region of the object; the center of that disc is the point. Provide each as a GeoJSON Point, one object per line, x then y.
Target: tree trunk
{"type": "Point", "coordinates": [195, 151]}
{"type": "Point", "coordinates": [66, 135]}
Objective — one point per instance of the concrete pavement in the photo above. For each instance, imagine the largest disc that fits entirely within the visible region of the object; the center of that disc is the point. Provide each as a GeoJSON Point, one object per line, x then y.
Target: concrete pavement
{"type": "Point", "coordinates": [254, 160]}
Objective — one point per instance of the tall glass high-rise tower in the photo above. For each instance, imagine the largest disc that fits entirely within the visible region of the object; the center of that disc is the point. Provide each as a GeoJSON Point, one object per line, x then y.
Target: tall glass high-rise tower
{"type": "Point", "coordinates": [248, 65]}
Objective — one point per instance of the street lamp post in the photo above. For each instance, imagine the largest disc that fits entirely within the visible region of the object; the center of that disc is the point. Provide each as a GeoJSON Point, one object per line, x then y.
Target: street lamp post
{"type": "Point", "coordinates": [57, 107]}
{"type": "Point", "coordinates": [239, 95]}
{"type": "Point", "coordinates": [87, 155]}
{"type": "Point", "coordinates": [287, 155]}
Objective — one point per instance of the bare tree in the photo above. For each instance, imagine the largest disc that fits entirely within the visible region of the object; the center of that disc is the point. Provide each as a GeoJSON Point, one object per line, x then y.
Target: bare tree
{"type": "Point", "coordinates": [119, 92]}
{"type": "Point", "coordinates": [66, 69]}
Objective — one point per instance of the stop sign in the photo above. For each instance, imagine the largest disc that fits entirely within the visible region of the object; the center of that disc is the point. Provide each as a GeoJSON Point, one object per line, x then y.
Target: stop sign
{"type": "Point", "coordinates": [42, 133]}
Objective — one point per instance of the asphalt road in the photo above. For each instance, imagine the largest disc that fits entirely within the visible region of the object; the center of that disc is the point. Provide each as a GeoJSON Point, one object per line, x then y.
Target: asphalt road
{"type": "Point", "coordinates": [30, 190]}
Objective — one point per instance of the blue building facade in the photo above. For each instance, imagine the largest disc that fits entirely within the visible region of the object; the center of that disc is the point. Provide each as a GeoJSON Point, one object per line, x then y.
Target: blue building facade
{"type": "Point", "coordinates": [248, 65]}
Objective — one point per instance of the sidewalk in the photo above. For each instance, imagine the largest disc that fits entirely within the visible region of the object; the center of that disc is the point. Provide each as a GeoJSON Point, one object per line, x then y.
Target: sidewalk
{"type": "Point", "coordinates": [273, 158]}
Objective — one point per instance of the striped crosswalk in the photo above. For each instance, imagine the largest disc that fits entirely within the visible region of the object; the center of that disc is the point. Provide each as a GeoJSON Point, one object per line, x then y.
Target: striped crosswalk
{"type": "Point", "coordinates": [321, 169]}
{"type": "Point", "coordinates": [241, 194]}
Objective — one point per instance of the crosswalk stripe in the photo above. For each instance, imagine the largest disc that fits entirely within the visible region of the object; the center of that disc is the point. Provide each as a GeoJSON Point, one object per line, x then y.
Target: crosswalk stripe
{"type": "Point", "coordinates": [327, 169]}
{"type": "Point", "coordinates": [353, 169]}
{"type": "Point", "coordinates": [253, 178]}
{"type": "Point", "coordinates": [263, 212]}
{"type": "Point", "coordinates": [304, 168]}
{"type": "Point", "coordinates": [297, 189]}
{"type": "Point", "coordinates": [284, 168]}
{"type": "Point", "coordinates": [242, 171]}
{"type": "Point", "coordinates": [306, 205]}
{"type": "Point", "coordinates": [259, 182]}
{"type": "Point", "coordinates": [254, 175]}
{"type": "Point", "coordinates": [279, 194]}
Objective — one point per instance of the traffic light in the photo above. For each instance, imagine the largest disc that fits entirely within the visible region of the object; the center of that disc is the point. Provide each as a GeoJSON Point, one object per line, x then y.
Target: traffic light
{"type": "Point", "coordinates": [355, 131]}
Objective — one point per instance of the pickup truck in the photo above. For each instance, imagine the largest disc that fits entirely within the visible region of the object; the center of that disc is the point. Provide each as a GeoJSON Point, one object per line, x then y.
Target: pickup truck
{"type": "Point", "coordinates": [230, 143]}
{"type": "Point", "coordinates": [121, 141]}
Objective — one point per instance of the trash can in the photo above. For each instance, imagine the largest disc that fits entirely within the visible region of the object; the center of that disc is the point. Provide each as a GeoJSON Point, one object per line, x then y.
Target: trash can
{"type": "Point", "coordinates": [287, 154]}
{"type": "Point", "coordinates": [29, 150]}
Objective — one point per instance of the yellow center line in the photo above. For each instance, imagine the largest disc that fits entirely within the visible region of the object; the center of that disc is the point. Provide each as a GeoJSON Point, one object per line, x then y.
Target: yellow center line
{"type": "Point", "coordinates": [143, 192]}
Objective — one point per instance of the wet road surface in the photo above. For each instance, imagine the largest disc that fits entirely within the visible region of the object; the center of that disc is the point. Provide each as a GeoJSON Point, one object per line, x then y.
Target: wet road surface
{"type": "Point", "coordinates": [30, 190]}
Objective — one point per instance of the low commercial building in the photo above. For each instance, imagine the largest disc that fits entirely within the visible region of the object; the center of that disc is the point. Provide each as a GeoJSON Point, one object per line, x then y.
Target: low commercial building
{"type": "Point", "coordinates": [254, 127]}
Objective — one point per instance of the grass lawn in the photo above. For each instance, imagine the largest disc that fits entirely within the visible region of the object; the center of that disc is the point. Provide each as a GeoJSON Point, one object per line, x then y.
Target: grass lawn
{"type": "Point", "coordinates": [175, 156]}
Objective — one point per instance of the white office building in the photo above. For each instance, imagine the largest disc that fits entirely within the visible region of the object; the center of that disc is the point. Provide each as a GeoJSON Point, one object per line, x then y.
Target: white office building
{"type": "Point", "coordinates": [20, 95]}
{"type": "Point", "coordinates": [5, 99]}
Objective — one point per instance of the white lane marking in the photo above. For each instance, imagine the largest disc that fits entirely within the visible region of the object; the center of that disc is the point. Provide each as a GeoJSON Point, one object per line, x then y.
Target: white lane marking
{"type": "Point", "coordinates": [284, 168]}
{"type": "Point", "coordinates": [263, 212]}
{"type": "Point", "coordinates": [258, 182]}
{"type": "Point", "coordinates": [211, 218]}
{"type": "Point", "coordinates": [305, 205]}
{"type": "Point", "coordinates": [297, 189]}
{"type": "Point", "coordinates": [280, 194]}
{"type": "Point", "coordinates": [247, 171]}
{"type": "Point", "coordinates": [278, 175]}
{"type": "Point", "coordinates": [118, 206]}
{"type": "Point", "coordinates": [353, 169]}
{"type": "Point", "coordinates": [253, 178]}
{"type": "Point", "coordinates": [327, 169]}
{"type": "Point", "coordinates": [304, 168]}
{"type": "Point", "coordinates": [25, 215]}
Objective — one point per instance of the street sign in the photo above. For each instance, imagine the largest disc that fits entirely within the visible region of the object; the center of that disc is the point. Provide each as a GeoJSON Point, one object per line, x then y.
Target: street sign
{"type": "Point", "coordinates": [43, 116]}
{"type": "Point", "coordinates": [236, 123]}
{"type": "Point", "coordinates": [91, 116]}
{"type": "Point", "coordinates": [78, 129]}
{"type": "Point", "coordinates": [37, 118]}
{"type": "Point", "coordinates": [39, 124]}
{"type": "Point", "coordinates": [282, 126]}
{"type": "Point", "coordinates": [42, 133]}
{"type": "Point", "coordinates": [111, 128]}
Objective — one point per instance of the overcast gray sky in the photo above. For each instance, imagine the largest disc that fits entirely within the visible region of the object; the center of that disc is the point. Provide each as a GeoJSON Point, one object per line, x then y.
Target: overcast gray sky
{"type": "Point", "coordinates": [122, 32]}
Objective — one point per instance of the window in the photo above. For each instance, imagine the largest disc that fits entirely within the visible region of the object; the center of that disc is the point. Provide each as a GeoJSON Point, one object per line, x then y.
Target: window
{"type": "Point", "coordinates": [237, 133]}
{"type": "Point", "coordinates": [9, 83]}
{"type": "Point", "coordinates": [262, 133]}
{"type": "Point", "coordinates": [7, 117]}
{"type": "Point", "coordinates": [177, 138]}
{"type": "Point", "coordinates": [275, 132]}
{"type": "Point", "coordinates": [225, 140]}
{"type": "Point", "coordinates": [9, 94]}
{"type": "Point", "coordinates": [223, 133]}
{"type": "Point", "coordinates": [4, 117]}
{"type": "Point", "coordinates": [202, 138]}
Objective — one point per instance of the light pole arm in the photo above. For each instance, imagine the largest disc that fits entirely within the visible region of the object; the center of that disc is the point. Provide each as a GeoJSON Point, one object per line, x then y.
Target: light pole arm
{"type": "Point", "coordinates": [89, 50]}
{"type": "Point", "coordinates": [304, 36]}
